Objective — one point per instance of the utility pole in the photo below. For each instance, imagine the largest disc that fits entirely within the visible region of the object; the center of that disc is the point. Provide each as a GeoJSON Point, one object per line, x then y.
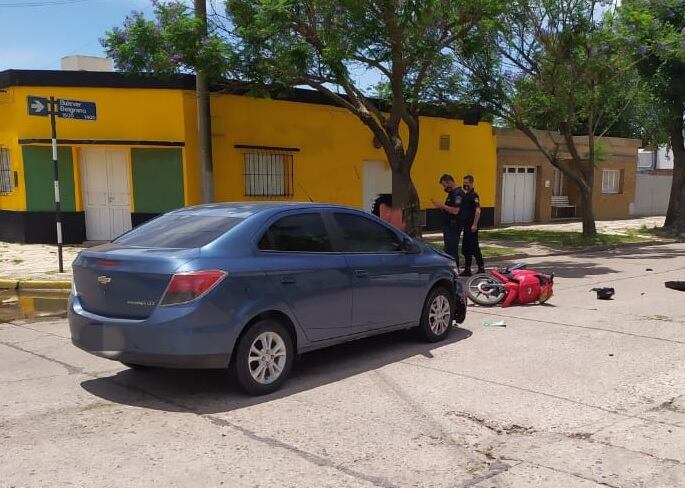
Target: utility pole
{"type": "Point", "coordinates": [204, 118]}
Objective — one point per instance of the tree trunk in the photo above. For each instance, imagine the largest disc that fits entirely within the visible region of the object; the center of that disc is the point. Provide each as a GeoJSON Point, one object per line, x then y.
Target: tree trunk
{"type": "Point", "coordinates": [405, 196]}
{"type": "Point", "coordinates": [675, 217]}
{"type": "Point", "coordinates": [589, 228]}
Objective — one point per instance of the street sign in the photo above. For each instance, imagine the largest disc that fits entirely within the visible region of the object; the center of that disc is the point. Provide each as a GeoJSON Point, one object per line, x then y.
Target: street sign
{"type": "Point", "coordinates": [38, 106]}
{"type": "Point", "coordinates": [76, 109]}
{"type": "Point", "coordinates": [65, 109]}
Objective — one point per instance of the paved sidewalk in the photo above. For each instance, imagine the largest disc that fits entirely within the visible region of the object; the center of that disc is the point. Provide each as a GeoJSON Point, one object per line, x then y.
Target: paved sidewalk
{"type": "Point", "coordinates": [603, 226]}
{"type": "Point", "coordinates": [34, 261]}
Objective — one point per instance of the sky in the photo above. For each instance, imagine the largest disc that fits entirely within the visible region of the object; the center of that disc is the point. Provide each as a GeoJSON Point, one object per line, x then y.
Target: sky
{"type": "Point", "coordinates": [37, 37]}
{"type": "Point", "coordinates": [36, 34]}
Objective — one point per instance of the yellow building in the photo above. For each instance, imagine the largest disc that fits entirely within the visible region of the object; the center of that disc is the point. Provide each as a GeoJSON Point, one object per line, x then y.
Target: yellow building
{"type": "Point", "coordinates": [138, 158]}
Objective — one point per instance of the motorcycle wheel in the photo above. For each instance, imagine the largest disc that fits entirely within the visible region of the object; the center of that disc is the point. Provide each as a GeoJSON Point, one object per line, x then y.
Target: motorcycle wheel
{"type": "Point", "coordinates": [485, 290]}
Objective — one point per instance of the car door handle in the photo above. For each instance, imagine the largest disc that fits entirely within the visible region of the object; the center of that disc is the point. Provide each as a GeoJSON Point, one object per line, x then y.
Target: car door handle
{"type": "Point", "coordinates": [288, 280]}
{"type": "Point", "coordinates": [361, 273]}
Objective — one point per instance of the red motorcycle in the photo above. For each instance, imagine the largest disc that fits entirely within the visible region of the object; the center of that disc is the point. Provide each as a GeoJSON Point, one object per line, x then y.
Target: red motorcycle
{"type": "Point", "coordinates": [507, 286]}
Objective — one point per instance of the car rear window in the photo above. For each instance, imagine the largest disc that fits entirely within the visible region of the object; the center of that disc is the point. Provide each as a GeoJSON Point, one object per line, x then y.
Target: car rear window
{"type": "Point", "coordinates": [179, 231]}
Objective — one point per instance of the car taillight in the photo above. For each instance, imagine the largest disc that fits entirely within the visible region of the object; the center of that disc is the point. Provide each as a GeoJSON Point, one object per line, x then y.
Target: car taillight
{"type": "Point", "coordinates": [186, 287]}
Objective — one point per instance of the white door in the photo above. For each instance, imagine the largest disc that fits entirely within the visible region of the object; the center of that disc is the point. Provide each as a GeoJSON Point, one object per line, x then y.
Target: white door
{"type": "Point", "coordinates": [377, 180]}
{"type": "Point", "coordinates": [106, 193]}
{"type": "Point", "coordinates": [518, 194]}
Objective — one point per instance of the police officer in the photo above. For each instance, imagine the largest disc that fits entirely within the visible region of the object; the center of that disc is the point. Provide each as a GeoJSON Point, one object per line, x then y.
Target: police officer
{"type": "Point", "coordinates": [470, 211]}
{"type": "Point", "coordinates": [453, 222]}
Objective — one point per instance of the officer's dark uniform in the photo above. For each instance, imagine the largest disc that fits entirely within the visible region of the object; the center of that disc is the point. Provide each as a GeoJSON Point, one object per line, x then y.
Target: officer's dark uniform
{"type": "Point", "coordinates": [453, 225]}
{"type": "Point", "coordinates": [471, 247]}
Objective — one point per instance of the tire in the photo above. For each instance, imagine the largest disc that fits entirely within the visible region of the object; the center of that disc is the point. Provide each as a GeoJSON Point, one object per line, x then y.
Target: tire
{"type": "Point", "coordinates": [473, 290]}
{"type": "Point", "coordinates": [437, 316]}
{"type": "Point", "coordinates": [279, 354]}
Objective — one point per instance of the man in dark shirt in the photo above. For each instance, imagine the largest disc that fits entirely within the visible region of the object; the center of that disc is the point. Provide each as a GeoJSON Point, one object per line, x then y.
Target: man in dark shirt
{"type": "Point", "coordinates": [470, 211]}
{"type": "Point", "coordinates": [453, 225]}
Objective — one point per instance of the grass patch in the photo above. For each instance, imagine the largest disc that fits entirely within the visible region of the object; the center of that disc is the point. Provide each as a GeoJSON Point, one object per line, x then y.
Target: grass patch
{"type": "Point", "coordinates": [17, 261]}
{"type": "Point", "coordinates": [488, 251]}
{"type": "Point", "coordinates": [559, 238]}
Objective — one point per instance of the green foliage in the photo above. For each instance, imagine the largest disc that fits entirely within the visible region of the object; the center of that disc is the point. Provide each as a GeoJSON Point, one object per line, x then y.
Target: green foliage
{"type": "Point", "coordinates": [553, 64]}
{"type": "Point", "coordinates": [654, 31]}
{"type": "Point", "coordinates": [172, 42]}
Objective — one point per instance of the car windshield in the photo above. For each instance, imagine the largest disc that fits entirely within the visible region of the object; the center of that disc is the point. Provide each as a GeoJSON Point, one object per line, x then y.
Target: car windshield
{"type": "Point", "coordinates": [179, 231]}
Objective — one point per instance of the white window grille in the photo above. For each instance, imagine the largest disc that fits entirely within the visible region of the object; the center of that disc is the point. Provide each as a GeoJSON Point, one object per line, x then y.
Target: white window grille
{"type": "Point", "coordinates": [6, 183]}
{"type": "Point", "coordinates": [268, 174]}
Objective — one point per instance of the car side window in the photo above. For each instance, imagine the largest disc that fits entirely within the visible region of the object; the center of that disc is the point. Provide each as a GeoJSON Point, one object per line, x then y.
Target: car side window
{"type": "Point", "coordinates": [297, 233]}
{"type": "Point", "coordinates": [360, 234]}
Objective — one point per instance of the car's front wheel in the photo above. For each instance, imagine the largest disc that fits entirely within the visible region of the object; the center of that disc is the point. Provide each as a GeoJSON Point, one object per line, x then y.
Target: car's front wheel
{"type": "Point", "coordinates": [264, 357]}
{"type": "Point", "coordinates": [438, 315]}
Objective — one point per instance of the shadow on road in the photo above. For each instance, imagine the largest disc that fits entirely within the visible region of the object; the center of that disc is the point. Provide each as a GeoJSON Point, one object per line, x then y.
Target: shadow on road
{"type": "Point", "coordinates": [573, 269]}
{"type": "Point", "coordinates": [212, 391]}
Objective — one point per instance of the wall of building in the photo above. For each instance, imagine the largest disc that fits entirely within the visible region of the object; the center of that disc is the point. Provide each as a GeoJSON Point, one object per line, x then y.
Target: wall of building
{"type": "Point", "coordinates": [515, 148]}
{"type": "Point", "coordinates": [652, 193]}
{"type": "Point", "coordinates": [146, 124]}
{"type": "Point", "coordinates": [332, 147]}
{"type": "Point", "coordinates": [157, 128]}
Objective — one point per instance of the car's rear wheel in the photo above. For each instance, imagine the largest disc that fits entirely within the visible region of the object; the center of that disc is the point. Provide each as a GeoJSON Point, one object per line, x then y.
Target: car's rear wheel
{"type": "Point", "coordinates": [264, 357]}
{"type": "Point", "coordinates": [438, 315]}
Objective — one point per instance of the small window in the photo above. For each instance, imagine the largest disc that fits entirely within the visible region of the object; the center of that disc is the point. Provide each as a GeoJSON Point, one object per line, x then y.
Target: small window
{"type": "Point", "coordinates": [5, 171]}
{"type": "Point", "coordinates": [360, 234]}
{"type": "Point", "coordinates": [445, 142]}
{"type": "Point", "coordinates": [297, 233]}
{"type": "Point", "coordinates": [185, 230]}
{"type": "Point", "coordinates": [268, 174]}
{"type": "Point", "coordinates": [611, 181]}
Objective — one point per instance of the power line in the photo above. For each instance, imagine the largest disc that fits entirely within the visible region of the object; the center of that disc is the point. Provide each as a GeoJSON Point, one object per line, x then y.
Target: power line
{"type": "Point", "coordinates": [42, 3]}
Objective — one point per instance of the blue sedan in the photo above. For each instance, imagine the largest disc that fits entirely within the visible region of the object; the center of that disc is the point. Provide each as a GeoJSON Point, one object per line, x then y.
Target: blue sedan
{"type": "Point", "coordinates": [250, 286]}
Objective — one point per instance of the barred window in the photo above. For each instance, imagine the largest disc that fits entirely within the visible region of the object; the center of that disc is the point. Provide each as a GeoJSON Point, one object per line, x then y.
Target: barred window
{"type": "Point", "coordinates": [268, 174]}
{"type": "Point", "coordinates": [5, 171]}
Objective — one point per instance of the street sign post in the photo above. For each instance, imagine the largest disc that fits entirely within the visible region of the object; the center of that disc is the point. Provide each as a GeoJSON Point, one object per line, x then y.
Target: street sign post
{"type": "Point", "coordinates": [37, 106]}
{"type": "Point", "coordinates": [65, 109]}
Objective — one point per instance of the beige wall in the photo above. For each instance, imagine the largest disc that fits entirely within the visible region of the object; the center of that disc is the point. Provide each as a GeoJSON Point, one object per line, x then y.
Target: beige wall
{"type": "Point", "coordinates": [515, 148]}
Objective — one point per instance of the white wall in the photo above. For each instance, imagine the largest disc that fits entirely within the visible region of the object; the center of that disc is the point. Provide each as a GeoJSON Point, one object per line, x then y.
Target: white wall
{"type": "Point", "coordinates": [651, 194]}
{"type": "Point", "coordinates": [664, 159]}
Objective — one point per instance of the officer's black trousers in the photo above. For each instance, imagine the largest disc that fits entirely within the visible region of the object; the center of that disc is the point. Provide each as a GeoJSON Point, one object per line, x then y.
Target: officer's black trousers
{"type": "Point", "coordinates": [471, 248]}
{"type": "Point", "coordinates": [451, 234]}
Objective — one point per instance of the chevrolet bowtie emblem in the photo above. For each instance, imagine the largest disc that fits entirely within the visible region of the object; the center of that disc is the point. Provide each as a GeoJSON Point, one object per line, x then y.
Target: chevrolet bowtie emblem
{"type": "Point", "coordinates": [104, 280]}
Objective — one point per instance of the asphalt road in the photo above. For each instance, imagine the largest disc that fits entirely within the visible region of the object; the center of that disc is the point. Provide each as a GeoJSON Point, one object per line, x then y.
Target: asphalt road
{"type": "Point", "coordinates": [577, 393]}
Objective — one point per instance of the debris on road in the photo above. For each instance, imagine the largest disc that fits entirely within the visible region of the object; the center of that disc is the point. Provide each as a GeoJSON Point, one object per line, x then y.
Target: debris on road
{"type": "Point", "coordinates": [490, 323]}
{"type": "Point", "coordinates": [675, 285]}
{"type": "Point", "coordinates": [604, 293]}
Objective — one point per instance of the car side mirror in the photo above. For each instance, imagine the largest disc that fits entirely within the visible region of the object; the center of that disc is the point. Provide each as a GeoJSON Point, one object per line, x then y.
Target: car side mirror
{"type": "Point", "coordinates": [410, 247]}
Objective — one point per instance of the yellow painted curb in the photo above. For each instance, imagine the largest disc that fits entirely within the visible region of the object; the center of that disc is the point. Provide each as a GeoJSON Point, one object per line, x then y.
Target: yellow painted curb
{"type": "Point", "coordinates": [43, 285]}
{"type": "Point", "coordinates": [8, 284]}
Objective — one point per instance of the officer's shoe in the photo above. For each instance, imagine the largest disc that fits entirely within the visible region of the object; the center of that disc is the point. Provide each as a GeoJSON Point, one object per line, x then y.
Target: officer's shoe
{"type": "Point", "coordinates": [465, 273]}
{"type": "Point", "coordinates": [481, 271]}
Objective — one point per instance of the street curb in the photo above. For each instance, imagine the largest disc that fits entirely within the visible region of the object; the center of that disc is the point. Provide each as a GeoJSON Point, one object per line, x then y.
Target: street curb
{"type": "Point", "coordinates": [20, 284]}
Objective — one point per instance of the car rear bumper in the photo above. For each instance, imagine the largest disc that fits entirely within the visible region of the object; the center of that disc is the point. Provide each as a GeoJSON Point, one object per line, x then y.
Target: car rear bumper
{"type": "Point", "coordinates": [178, 339]}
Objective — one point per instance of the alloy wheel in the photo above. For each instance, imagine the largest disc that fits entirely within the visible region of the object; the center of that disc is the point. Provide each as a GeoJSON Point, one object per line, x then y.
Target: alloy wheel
{"type": "Point", "coordinates": [439, 315]}
{"type": "Point", "coordinates": [267, 358]}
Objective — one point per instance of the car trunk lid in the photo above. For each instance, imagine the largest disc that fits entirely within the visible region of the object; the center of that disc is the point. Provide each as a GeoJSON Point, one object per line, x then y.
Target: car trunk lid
{"type": "Point", "coordinates": [125, 282]}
